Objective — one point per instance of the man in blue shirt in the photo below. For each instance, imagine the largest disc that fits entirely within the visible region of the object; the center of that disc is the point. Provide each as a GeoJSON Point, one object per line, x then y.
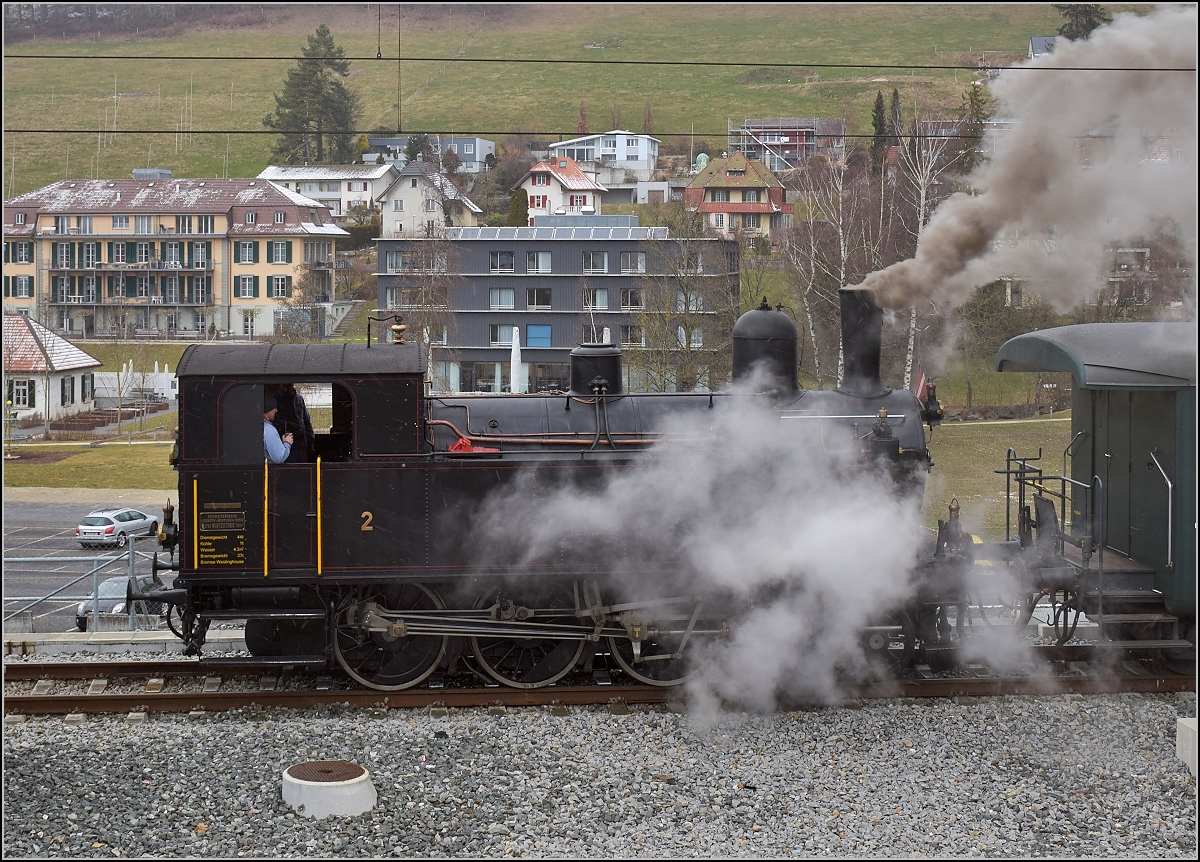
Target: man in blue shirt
{"type": "Point", "coordinates": [276, 448]}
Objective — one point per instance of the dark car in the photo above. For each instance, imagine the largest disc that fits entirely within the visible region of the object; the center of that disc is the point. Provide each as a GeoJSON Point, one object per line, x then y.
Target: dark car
{"type": "Point", "coordinates": [113, 527]}
{"type": "Point", "coordinates": [112, 599]}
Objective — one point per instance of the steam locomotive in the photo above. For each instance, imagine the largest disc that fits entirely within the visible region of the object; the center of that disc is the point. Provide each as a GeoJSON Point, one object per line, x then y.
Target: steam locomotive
{"type": "Point", "coordinates": [371, 556]}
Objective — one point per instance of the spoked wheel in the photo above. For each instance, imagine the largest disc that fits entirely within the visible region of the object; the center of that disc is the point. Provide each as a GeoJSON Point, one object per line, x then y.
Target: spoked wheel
{"type": "Point", "coordinates": [386, 660]}
{"type": "Point", "coordinates": [528, 662]}
{"type": "Point", "coordinates": [665, 645]}
{"type": "Point", "coordinates": [175, 620]}
{"type": "Point", "coordinates": [889, 644]}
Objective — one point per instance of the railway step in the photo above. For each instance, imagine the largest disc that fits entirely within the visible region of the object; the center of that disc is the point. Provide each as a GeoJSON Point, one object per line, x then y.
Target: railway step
{"type": "Point", "coordinates": [1144, 644]}
{"type": "Point", "coordinates": [266, 614]}
{"type": "Point", "coordinates": [1134, 618]}
{"type": "Point", "coordinates": [1131, 595]}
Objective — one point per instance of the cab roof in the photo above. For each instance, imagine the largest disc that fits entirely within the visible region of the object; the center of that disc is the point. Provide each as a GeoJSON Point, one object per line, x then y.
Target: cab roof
{"type": "Point", "coordinates": [294, 361]}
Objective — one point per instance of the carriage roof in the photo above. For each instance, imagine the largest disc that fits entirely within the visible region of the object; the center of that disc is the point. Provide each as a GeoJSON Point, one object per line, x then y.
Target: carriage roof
{"type": "Point", "coordinates": [1108, 355]}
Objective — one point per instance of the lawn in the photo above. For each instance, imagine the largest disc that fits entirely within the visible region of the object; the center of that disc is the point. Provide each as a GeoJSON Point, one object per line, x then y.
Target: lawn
{"type": "Point", "coordinates": [202, 117]}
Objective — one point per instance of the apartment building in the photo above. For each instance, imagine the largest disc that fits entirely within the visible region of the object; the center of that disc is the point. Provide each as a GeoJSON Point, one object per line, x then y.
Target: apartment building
{"type": "Point", "coordinates": [556, 284]}
{"type": "Point", "coordinates": [165, 258]}
{"type": "Point", "coordinates": [339, 188]}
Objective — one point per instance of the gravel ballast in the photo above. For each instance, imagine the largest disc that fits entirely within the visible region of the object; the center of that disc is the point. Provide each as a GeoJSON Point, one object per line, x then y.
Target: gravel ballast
{"type": "Point", "coordinates": [1062, 775]}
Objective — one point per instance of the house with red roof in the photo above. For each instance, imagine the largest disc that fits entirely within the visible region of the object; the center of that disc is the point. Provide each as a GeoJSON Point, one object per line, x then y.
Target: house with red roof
{"type": "Point", "coordinates": [740, 199]}
{"type": "Point", "coordinates": [559, 186]}
{"type": "Point", "coordinates": [45, 375]}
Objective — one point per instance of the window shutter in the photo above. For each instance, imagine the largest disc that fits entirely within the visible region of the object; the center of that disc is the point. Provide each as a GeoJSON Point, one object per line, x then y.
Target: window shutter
{"type": "Point", "coordinates": [270, 252]}
{"type": "Point", "coordinates": [71, 254]}
{"type": "Point", "coordinates": [287, 286]}
{"type": "Point", "coordinates": [10, 393]}
{"type": "Point", "coordinates": [237, 252]}
{"type": "Point", "coordinates": [256, 287]}
{"type": "Point", "coordinates": [256, 251]}
{"type": "Point", "coordinates": [110, 257]}
{"type": "Point", "coordinates": [130, 251]}
{"type": "Point", "coordinates": [208, 252]}
{"type": "Point", "coordinates": [6, 252]}
{"type": "Point", "coordinates": [71, 289]}
{"type": "Point", "coordinates": [32, 389]}
{"type": "Point", "coordinates": [289, 252]}
{"type": "Point", "coordinates": [62, 385]}
{"type": "Point", "coordinates": [130, 286]}
{"type": "Point", "coordinates": [7, 289]}
{"type": "Point", "coordinates": [187, 251]}
{"type": "Point", "coordinates": [188, 286]}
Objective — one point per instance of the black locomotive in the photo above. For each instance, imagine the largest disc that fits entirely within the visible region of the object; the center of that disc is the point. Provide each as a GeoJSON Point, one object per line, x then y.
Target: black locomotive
{"type": "Point", "coordinates": [372, 556]}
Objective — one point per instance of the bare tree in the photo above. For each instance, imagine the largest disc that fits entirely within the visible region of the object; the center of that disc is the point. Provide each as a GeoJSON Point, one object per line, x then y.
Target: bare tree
{"type": "Point", "coordinates": [429, 272]}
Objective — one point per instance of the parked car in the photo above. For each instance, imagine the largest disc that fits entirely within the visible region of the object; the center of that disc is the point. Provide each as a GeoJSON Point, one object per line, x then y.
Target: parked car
{"type": "Point", "coordinates": [112, 599]}
{"type": "Point", "coordinates": [113, 527]}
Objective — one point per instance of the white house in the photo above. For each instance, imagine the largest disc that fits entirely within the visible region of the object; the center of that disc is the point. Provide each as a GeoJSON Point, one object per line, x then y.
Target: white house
{"type": "Point", "coordinates": [560, 186]}
{"type": "Point", "coordinates": [45, 375]}
{"type": "Point", "coordinates": [421, 200]}
{"type": "Point", "coordinates": [472, 152]}
{"type": "Point", "coordinates": [612, 155]}
{"type": "Point", "coordinates": [339, 187]}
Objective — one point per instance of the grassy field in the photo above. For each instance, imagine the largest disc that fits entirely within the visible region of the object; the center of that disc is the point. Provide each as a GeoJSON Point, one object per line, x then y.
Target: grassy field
{"type": "Point", "coordinates": [451, 85]}
{"type": "Point", "coordinates": [965, 454]}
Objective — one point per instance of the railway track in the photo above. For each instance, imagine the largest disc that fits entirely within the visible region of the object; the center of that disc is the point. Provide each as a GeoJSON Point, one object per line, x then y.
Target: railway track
{"type": "Point", "coordinates": [217, 685]}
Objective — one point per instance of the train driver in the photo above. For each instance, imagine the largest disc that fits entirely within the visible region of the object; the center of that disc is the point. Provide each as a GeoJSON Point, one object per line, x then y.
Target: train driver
{"type": "Point", "coordinates": [277, 447]}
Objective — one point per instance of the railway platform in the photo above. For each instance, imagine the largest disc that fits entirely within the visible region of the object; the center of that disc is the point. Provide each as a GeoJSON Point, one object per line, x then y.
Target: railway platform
{"type": "Point", "coordinates": [61, 643]}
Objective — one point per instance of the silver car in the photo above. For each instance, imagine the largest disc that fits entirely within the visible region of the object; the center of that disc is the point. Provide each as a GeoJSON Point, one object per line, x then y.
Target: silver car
{"type": "Point", "coordinates": [112, 528]}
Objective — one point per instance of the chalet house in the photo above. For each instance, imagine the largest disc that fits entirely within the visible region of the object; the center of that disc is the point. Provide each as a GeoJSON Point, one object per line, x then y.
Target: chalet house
{"type": "Point", "coordinates": [740, 198]}
{"type": "Point", "coordinates": [421, 202]}
{"type": "Point", "coordinates": [165, 258]}
{"type": "Point", "coordinates": [339, 188]}
{"type": "Point", "coordinates": [46, 376]}
{"type": "Point", "coordinates": [560, 186]}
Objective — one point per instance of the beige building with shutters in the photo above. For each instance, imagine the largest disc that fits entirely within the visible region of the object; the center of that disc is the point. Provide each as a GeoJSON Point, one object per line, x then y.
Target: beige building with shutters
{"type": "Point", "coordinates": [165, 258]}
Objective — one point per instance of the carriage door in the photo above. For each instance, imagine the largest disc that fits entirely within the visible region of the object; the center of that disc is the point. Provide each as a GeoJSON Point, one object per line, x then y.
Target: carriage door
{"type": "Point", "coordinates": [1152, 418]}
{"type": "Point", "coordinates": [1113, 465]}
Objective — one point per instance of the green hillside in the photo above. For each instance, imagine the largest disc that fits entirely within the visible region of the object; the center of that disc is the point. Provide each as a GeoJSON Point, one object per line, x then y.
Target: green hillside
{"type": "Point", "coordinates": [219, 103]}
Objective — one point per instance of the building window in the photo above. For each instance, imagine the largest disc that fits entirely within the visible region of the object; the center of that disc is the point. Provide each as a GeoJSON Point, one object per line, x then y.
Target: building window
{"type": "Point", "coordinates": [247, 252]}
{"type": "Point", "coordinates": [718, 219]}
{"type": "Point", "coordinates": [468, 148]}
{"type": "Point", "coordinates": [750, 196]}
{"type": "Point", "coordinates": [120, 222]}
{"type": "Point", "coordinates": [23, 287]}
{"type": "Point", "coordinates": [280, 253]}
{"type": "Point", "coordinates": [200, 255]}
{"type": "Point", "coordinates": [541, 179]}
{"type": "Point", "coordinates": [578, 200]}
{"type": "Point", "coordinates": [143, 252]}
{"type": "Point", "coordinates": [23, 252]}
{"type": "Point", "coordinates": [143, 224]}
{"type": "Point", "coordinates": [395, 261]}
{"type": "Point", "coordinates": [90, 255]}
{"type": "Point", "coordinates": [248, 323]}
{"type": "Point", "coordinates": [503, 261]}
{"type": "Point", "coordinates": [245, 287]}
{"type": "Point", "coordinates": [595, 261]}
{"type": "Point", "coordinates": [200, 289]}
{"type": "Point", "coordinates": [539, 202]}
{"type": "Point", "coordinates": [89, 289]}
{"type": "Point", "coordinates": [19, 218]}
{"type": "Point", "coordinates": [62, 257]}
{"type": "Point", "coordinates": [183, 224]}
{"type": "Point", "coordinates": [633, 261]}
{"type": "Point", "coordinates": [251, 217]}
{"type": "Point", "coordinates": [318, 251]}
{"type": "Point", "coordinates": [537, 335]}
{"type": "Point", "coordinates": [279, 286]}
{"type": "Point", "coordinates": [750, 221]}
{"type": "Point", "coordinates": [502, 298]}
{"type": "Point", "coordinates": [280, 216]}
{"type": "Point", "coordinates": [537, 298]}
{"type": "Point", "coordinates": [68, 391]}
{"type": "Point", "coordinates": [118, 252]}
{"type": "Point", "coordinates": [632, 336]}
{"type": "Point", "coordinates": [538, 261]}
{"type": "Point", "coordinates": [686, 301]}
{"type": "Point", "coordinates": [84, 223]}
{"type": "Point", "coordinates": [720, 196]}
{"type": "Point", "coordinates": [62, 225]}
{"type": "Point", "coordinates": [86, 387]}
{"type": "Point", "coordinates": [501, 335]}
{"type": "Point", "coordinates": [431, 206]}
{"type": "Point", "coordinates": [356, 187]}
{"type": "Point", "coordinates": [595, 298]}
{"type": "Point", "coordinates": [201, 321]}
{"type": "Point", "coordinates": [631, 297]}
{"type": "Point", "coordinates": [397, 205]}
{"type": "Point", "coordinates": [143, 286]}
{"type": "Point", "coordinates": [22, 393]}
{"type": "Point", "coordinates": [171, 288]}
{"type": "Point", "coordinates": [171, 252]}
{"type": "Point", "coordinates": [64, 288]}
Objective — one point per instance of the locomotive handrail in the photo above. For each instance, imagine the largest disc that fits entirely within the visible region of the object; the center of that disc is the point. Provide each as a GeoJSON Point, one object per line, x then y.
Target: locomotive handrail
{"type": "Point", "coordinates": [1071, 446]}
{"type": "Point", "coordinates": [1170, 510]}
{"type": "Point", "coordinates": [266, 518]}
{"type": "Point", "coordinates": [1101, 510]}
{"type": "Point", "coordinates": [319, 548]}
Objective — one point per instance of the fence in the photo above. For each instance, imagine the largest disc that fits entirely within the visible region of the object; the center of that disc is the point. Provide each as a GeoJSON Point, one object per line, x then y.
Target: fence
{"type": "Point", "coordinates": [133, 618]}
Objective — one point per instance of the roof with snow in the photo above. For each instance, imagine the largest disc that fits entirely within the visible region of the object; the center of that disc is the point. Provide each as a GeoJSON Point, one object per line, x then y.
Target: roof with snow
{"type": "Point", "coordinates": [30, 348]}
{"type": "Point", "coordinates": [292, 173]}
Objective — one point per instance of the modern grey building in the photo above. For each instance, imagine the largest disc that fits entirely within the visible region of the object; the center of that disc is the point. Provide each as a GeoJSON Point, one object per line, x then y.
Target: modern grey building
{"type": "Point", "coordinates": [558, 284]}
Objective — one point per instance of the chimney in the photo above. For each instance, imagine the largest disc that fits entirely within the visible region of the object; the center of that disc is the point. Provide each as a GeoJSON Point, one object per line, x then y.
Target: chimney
{"type": "Point", "coordinates": [862, 344]}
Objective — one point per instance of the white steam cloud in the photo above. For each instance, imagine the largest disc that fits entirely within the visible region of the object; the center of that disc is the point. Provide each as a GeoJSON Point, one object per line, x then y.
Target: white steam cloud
{"type": "Point", "coordinates": [806, 542]}
{"type": "Point", "coordinates": [1094, 157]}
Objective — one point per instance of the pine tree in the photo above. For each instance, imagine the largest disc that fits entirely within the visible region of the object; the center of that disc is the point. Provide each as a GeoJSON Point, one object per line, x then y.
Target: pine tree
{"type": "Point", "coordinates": [316, 112]}
{"type": "Point", "coordinates": [977, 108]}
{"type": "Point", "coordinates": [879, 126]}
{"type": "Point", "coordinates": [1082, 19]}
{"type": "Point", "coordinates": [518, 209]}
{"type": "Point", "coordinates": [897, 117]}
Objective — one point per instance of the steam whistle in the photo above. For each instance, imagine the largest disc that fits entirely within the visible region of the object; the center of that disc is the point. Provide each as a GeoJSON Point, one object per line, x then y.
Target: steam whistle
{"type": "Point", "coordinates": [950, 534]}
{"type": "Point", "coordinates": [931, 409]}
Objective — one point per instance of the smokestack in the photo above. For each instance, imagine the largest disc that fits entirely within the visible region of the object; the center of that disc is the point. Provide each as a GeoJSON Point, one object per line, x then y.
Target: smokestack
{"type": "Point", "coordinates": [862, 344]}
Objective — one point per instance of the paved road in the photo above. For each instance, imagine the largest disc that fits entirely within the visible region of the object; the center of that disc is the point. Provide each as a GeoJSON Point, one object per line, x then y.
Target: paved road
{"type": "Point", "coordinates": [40, 522]}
